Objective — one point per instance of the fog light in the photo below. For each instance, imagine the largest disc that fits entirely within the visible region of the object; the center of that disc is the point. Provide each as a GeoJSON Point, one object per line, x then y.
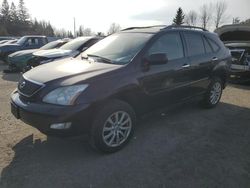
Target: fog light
{"type": "Point", "coordinates": [60, 126]}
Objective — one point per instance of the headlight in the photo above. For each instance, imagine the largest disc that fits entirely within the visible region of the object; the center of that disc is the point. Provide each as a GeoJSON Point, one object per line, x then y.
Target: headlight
{"type": "Point", "coordinates": [64, 95]}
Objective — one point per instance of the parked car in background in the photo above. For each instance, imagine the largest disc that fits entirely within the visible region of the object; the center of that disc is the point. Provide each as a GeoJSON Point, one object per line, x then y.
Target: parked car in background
{"type": "Point", "coordinates": [71, 49]}
{"type": "Point", "coordinates": [120, 77]}
{"type": "Point", "coordinates": [7, 38]}
{"type": "Point", "coordinates": [237, 38]}
{"type": "Point", "coordinates": [11, 41]}
{"type": "Point", "coordinates": [18, 60]}
{"type": "Point", "coordinates": [3, 41]}
{"type": "Point", "coordinates": [24, 43]}
{"type": "Point", "coordinates": [240, 68]}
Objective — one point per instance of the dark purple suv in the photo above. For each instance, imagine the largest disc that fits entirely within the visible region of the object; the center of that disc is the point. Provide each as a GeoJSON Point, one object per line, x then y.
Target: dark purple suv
{"type": "Point", "coordinates": [119, 78]}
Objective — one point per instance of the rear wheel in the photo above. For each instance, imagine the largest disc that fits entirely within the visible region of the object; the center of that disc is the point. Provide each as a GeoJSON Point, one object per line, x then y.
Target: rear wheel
{"type": "Point", "coordinates": [213, 94]}
{"type": "Point", "coordinates": [113, 126]}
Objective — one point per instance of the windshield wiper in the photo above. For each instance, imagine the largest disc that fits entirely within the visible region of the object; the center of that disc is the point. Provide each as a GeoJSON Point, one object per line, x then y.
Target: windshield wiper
{"type": "Point", "coordinates": [101, 58]}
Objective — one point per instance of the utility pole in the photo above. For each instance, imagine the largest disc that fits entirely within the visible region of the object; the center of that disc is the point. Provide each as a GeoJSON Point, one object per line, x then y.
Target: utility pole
{"type": "Point", "coordinates": [74, 27]}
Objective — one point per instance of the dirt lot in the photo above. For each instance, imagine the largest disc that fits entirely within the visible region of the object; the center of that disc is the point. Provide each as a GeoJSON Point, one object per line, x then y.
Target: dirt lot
{"type": "Point", "coordinates": [186, 147]}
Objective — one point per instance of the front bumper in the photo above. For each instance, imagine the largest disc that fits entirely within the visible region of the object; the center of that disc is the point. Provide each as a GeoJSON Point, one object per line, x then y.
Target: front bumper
{"type": "Point", "coordinates": [16, 64]}
{"type": "Point", "coordinates": [42, 116]}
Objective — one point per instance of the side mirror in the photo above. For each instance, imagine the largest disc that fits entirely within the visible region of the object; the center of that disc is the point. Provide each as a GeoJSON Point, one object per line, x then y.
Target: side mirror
{"type": "Point", "coordinates": [157, 59]}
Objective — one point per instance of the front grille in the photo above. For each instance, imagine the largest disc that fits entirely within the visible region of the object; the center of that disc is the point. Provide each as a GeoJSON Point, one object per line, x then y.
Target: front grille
{"type": "Point", "coordinates": [28, 88]}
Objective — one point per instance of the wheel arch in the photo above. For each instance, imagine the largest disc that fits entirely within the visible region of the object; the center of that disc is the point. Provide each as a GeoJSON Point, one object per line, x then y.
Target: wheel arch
{"type": "Point", "coordinates": [222, 73]}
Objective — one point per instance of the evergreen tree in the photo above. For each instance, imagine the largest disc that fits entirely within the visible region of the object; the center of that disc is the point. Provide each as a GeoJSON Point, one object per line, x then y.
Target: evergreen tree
{"type": "Point", "coordinates": [80, 32]}
{"type": "Point", "coordinates": [179, 18]}
{"type": "Point", "coordinates": [49, 31]}
{"type": "Point", "coordinates": [23, 12]}
{"type": "Point", "coordinates": [35, 26]}
{"type": "Point", "coordinates": [5, 12]}
{"type": "Point", "coordinates": [70, 35]}
{"type": "Point", "coordinates": [13, 14]}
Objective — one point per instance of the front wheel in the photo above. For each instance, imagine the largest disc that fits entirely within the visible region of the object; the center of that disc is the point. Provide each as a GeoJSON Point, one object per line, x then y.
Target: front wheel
{"type": "Point", "coordinates": [213, 94]}
{"type": "Point", "coordinates": [113, 126]}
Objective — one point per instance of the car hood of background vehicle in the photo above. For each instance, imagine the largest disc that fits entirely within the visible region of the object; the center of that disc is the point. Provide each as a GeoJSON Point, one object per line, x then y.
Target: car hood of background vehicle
{"type": "Point", "coordinates": [23, 52]}
{"type": "Point", "coordinates": [69, 68]}
{"type": "Point", "coordinates": [53, 53]}
{"type": "Point", "coordinates": [238, 45]}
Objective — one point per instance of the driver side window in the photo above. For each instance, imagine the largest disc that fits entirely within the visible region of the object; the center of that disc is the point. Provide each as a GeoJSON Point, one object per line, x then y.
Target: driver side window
{"type": "Point", "coordinates": [170, 44]}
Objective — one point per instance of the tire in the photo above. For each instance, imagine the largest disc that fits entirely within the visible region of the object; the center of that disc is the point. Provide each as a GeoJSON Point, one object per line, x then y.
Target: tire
{"type": "Point", "coordinates": [213, 94]}
{"type": "Point", "coordinates": [115, 119]}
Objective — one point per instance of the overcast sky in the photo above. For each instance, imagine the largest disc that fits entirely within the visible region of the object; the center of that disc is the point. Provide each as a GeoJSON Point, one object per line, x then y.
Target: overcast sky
{"type": "Point", "coordinates": [99, 14]}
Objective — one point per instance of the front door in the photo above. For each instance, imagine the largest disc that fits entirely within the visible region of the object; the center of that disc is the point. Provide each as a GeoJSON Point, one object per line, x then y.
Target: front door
{"type": "Point", "coordinates": [167, 83]}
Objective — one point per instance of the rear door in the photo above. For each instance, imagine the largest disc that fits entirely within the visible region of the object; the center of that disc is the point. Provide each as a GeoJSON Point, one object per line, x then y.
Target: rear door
{"type": "Point", "coordinates": [42, 41]}
{"type": "Point", "coordinates": [200, 56]}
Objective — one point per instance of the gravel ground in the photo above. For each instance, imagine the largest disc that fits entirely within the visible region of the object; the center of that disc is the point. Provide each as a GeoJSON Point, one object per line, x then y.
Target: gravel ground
{"type": "Point", "coordinates": [184, 147]}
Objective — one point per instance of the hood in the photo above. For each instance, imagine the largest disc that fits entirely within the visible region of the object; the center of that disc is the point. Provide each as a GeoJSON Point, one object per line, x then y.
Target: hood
{"type": "Point", "coordinates": [9, 46]}
{"type": "Point", "coordinates": [238, 45]}
{"type": "Point", "coordinates": [53, 53]}
{"type": "Point", "coordinates": [23, 52]}
{"type": "Point", "coordinates": [237, 33]}
{"type": "Point", "coordinates": [68, 69]}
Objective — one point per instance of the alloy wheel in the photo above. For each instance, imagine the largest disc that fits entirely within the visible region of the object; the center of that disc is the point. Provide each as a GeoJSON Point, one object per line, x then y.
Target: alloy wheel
{"type": "Point", "coordinates": [215, 93]}
{"type": "Point", "coordinates": [116, 129]}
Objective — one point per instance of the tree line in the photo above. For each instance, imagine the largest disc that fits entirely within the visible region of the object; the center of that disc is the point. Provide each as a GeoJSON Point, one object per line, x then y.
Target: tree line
{"type": "Point", "coordinates": [210, 15]}
{"type": "Point", "coordinates": [15, 20]}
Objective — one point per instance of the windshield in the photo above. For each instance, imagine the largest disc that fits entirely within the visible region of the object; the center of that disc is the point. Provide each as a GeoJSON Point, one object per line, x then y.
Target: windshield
{"type": "Point", "coordinates": [22, 40]}
{"type": "Point", "coordinates": [75, 44]}
{"type": "Point", "coordinates": [119, 48]}
{"type": "Point", "coordinates": [50, 45]}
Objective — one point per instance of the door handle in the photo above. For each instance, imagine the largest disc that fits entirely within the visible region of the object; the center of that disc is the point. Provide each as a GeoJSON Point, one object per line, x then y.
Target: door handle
{"type": "Point", "coordinates": [186, 65]}
{"type": "Point", "coordinates": [214, 59]}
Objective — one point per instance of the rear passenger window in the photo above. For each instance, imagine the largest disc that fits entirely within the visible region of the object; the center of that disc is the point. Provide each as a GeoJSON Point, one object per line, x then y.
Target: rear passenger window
{"type": "Point", "coordinates": [33, 41]}
{"type": "Point", "coordinates": [214, 45]}
{"type": "Point", "coordinates": [169, 44]}
{"type": "Point", "coordinates": [42, 41]}
{"type": "Point", "coordinates": [194, 44]}
{"type": "Point", "coordinates": [207, 46]}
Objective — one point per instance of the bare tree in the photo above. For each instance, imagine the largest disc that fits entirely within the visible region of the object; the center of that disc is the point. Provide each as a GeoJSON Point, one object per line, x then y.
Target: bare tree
{"type": "Point", "coordinates": [205, 15]}
{"type": "Point", "coordinates": [114, 27]}
{"type": "Point", "coordinates": [87, 32]}
{"type": "Point", "coordinates": [220, 10]}
{"type": "Point", "coordinates": [191, 18]}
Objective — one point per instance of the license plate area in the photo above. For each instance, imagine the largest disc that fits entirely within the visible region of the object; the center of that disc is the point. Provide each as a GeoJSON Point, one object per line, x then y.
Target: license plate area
{"type": "Point", "coordinates": [15, 111]}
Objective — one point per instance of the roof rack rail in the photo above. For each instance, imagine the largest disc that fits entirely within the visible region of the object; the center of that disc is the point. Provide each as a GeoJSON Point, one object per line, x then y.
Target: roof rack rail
{"type": "Point", "coordinates": [143, 27]}
{"type": "Point", "coordinates": [184, 26]}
